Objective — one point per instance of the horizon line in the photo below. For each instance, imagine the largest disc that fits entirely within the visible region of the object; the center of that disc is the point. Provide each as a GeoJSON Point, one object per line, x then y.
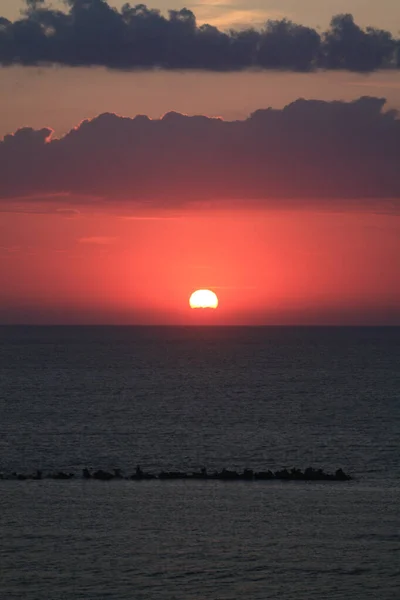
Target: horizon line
{"type": "Point", "coordinates": [209, 326]}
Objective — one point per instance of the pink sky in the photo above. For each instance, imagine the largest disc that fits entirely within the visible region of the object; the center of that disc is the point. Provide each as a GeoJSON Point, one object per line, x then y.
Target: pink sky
{"type": "Point", "coordinates": [268, 267]}
{"type": "Point", "coordinates": [66, 260]}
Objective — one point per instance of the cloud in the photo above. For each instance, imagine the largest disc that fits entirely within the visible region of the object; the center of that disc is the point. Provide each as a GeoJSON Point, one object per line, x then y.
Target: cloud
{"type": "Point", "coordinates": [309, 150]}
{"type": "Point", "coordinates": [150, 218]}
{"type": "Point", "coordinates": [227, 14]}
{"type": "Point", "coordinates": [92, 32]}
{"type": "Point", "coordinates": [69, 213]}
{"type": "Point", "coordinates": [10, 249]}
{"type": "Point", "coordinates": [98, 240]}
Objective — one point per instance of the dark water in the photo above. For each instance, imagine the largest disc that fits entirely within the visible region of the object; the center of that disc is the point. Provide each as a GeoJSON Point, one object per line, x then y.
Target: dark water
{"type": "Point", "coordinates": [181, 398]}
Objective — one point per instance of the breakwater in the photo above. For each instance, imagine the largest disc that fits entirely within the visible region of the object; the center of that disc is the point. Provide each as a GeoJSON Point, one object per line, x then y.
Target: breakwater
{"type": "Point", "coordinates": [309, 474]}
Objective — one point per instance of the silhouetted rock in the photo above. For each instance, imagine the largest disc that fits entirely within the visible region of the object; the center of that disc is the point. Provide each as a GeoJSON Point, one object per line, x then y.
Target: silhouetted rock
{"type": "Point", "coordinates": [202, 475]}
{"type": "Point", "coordinates": [263, 475]}
{"type": "Point", "coordinates": [60, 475]}
{"type": "Point", "coordinates": [140, 475]}
{"type": "Point", "coordinates": [283, 474]}
{"type": "Point", "coordinates": [310, 474]}
{"type": "Point", "coordinates": [172, 475]}
{"type": "Point", "coordinates": [340, 475]}
{"type": "Point", "coordinates": [102, 475]}
{"type": "Point", "coordinates": [227, 475]}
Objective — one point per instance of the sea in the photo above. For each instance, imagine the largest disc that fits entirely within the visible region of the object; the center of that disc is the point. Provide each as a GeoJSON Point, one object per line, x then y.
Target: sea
{"type": "Point", "coordinates": [183, 398]}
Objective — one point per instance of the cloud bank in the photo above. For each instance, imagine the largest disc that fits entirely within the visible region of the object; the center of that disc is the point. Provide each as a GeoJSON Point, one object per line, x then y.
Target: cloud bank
{"type": "Point", "coordinates": [308, 150]}
{"type": "Point", "coordinates": [93, 33]}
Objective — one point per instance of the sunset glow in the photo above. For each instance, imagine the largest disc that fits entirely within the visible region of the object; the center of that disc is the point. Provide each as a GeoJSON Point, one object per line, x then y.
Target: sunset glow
{"type": "Point", "coordinates": [122, 193]}
{"type": "Point", "coordinates": [267, 267]}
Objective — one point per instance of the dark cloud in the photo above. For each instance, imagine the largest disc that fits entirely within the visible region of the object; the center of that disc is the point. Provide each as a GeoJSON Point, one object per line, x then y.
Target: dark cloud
{"type": "Point", "coordinates": [308, 150]}
{"type": "Point", "coordinates": [93, 33]}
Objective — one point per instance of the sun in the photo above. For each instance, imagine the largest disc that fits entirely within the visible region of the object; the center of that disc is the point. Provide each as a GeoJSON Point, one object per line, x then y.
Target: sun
{"type": "Point", "coordinates": [203, 299]}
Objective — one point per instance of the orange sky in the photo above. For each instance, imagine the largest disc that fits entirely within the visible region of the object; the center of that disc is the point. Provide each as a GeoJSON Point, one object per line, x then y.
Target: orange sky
{"type": "Point", "coordinates": [267, 267]}
{"type": "Point", "coordinates": [228, 13]}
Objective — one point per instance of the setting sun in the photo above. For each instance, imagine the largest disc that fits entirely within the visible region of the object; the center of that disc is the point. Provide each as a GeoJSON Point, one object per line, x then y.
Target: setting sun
{"type": "Point", "coordinates": [203, 299]}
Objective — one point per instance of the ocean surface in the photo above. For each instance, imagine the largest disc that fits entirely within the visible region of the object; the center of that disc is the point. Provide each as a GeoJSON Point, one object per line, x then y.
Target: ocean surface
{"type": "Point", "coordinates": [181, 399]}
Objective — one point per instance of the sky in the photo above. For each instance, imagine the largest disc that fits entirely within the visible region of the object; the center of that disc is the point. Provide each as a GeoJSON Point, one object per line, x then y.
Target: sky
{"type": "Point", "coordinates": [225, 13]}
{"type": "Point", "coordinates": [278, 190]}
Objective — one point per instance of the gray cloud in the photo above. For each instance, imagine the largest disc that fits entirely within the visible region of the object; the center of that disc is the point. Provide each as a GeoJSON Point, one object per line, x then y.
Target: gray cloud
{"type": "Point", "coordinates": [91, 32]}
{"type": "Point", "coordinates": [308, 150]}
